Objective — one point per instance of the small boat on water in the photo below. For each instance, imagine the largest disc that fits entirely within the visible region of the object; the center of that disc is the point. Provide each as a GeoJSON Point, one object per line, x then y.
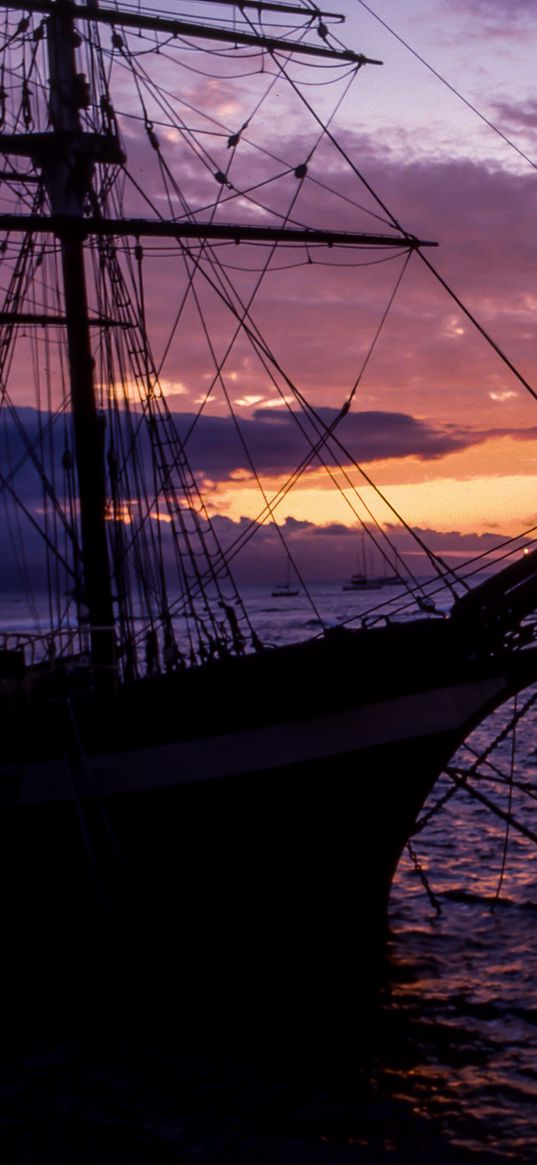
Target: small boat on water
{"type": "Point", "coordinates": [286, 590]}
{"type": "Point", "coordinates": [225, 814]}
{"type": "Point", "coordinates": [372, 582]}
{"type": "Point", "coordinates": [365, 579]}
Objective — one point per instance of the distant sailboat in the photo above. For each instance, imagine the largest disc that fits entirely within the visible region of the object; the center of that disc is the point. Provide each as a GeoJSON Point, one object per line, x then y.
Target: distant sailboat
{"type": "Point", "coordinates": [361, 580]}
{"type": "Point", "coordinates": [285, 590]}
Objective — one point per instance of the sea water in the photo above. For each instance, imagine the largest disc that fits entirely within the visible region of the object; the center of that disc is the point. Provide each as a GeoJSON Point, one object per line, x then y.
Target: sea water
{"type": "Point", "coordinates": [448, 1071]}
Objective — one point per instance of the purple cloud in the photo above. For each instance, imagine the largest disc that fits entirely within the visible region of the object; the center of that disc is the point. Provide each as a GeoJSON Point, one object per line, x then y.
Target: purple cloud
{"type": "Point", "coordinates": [520, 116]}
{"type": "Point", "coordinates": [321, 319]}
{"type": "Point", "coordinates": [277, 444]}
{"type": "Point", "coordinates": [493, 11]}
{"type": "Point", "coordinates": [220, 448]}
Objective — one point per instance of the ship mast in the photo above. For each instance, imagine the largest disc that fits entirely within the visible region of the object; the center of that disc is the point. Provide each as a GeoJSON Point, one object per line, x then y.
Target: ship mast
{"type": "Point", "coordinates": [66, 156]}
{"type": "Point", "coordinates": [68, 178]}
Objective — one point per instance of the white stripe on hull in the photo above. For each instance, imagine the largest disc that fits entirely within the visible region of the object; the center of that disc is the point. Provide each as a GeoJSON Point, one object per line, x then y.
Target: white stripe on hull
{"type": "Point", "coordinates": [422, 714]}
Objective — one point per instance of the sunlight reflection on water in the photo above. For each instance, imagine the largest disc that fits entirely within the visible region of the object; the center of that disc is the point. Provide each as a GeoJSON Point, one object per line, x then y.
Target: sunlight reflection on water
{"type": "Point", "coordinates": [469, 975]}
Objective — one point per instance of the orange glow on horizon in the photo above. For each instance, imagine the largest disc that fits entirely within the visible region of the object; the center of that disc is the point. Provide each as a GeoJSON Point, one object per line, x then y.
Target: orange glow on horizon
{"type": "Point", "coordinates": [485, 488]}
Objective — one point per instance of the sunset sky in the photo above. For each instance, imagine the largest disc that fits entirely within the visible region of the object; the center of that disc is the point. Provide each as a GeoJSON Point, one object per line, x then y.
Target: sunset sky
{"type": "Point", "coordinates": [442, 425]}
{"type": "Point", "coordinates": [437, 420]}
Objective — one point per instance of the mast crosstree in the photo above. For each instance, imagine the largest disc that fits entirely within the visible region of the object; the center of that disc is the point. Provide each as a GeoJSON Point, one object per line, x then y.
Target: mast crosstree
{"type": "Point", "coordinates": [138, 20]}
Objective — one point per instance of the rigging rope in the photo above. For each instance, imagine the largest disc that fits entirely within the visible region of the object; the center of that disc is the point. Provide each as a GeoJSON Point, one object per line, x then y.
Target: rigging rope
{"type": "Point", "coordinates": [244, 312]}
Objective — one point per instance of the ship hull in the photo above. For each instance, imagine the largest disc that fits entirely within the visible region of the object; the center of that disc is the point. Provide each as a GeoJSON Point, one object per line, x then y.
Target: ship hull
{"type": "Point", "coordinates": [241, 868]}
{"type": "Point", "coordinates": [270, 887]}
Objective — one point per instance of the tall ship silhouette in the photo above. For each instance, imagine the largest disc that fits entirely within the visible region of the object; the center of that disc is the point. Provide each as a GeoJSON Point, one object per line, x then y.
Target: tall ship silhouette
{"type": "Point", "coordinates": [170, 782]}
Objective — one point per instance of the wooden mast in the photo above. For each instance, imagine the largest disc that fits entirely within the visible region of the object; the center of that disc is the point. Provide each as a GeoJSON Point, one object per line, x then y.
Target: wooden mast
{"type": "Point", "coordinates": [67, 169]}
